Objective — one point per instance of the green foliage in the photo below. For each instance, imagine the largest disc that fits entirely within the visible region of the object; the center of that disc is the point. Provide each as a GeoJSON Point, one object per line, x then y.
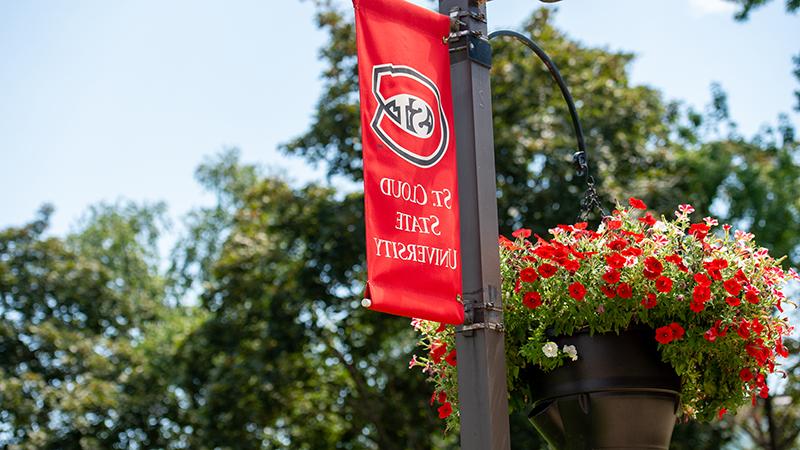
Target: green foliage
{"type": "Point", "coordinates": [747, 6]}
{"type": "Point", "coordinates": [194, 254]}
{"type": "Point", "coordinates": [73, 316]}
{"type": "Point", "coordinates": [796, 73]}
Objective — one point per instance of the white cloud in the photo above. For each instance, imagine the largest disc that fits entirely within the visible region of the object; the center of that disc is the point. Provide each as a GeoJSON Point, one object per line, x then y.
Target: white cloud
{"type": "Point", "coordinates": [700, 8]}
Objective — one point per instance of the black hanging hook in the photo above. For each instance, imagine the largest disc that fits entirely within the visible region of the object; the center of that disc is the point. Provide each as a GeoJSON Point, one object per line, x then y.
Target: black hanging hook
{"type": "Point", "coordinates": [579, 160]}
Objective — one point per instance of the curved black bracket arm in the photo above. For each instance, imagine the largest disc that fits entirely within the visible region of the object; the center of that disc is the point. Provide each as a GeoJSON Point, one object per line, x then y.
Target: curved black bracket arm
{"type": "Point", "coordinates": [579, 158]}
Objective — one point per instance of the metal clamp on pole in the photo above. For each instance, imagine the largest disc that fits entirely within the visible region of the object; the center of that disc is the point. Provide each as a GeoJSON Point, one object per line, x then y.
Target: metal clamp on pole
{"type": "Point", "coordinates": [481, 326]}
{"type": "Point", "coordinates": [477, 45]}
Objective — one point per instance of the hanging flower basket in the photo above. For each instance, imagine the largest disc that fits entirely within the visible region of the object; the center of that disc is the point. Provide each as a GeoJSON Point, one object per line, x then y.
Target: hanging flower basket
{"type": "Point", "coordinates": [704, 304]}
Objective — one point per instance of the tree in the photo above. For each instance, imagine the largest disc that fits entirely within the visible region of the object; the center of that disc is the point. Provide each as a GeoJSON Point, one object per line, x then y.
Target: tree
{"type": "Point", "coordinates": [195, 253]}
{"type": "Point", "coordinates": [747, 6]}
{"type": "Point", "coordinates": [73, 315]}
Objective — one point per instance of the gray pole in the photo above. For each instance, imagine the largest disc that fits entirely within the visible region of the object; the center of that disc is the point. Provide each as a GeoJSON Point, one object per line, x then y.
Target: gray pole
{"type": "Point", "coordinates": [482, 392]}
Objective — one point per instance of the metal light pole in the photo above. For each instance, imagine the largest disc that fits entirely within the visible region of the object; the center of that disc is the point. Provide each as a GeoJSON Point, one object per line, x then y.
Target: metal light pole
{"type": "Point", "coordinates": [482, 392]}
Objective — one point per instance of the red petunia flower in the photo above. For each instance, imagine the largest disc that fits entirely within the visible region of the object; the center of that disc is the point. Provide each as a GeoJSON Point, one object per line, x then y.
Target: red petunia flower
{"type": "Point", "coordinates": [648, 219]}
{"type": "Point", "coordinates": [677, 331]}
{"type": "Point", "coordinates": [649, 301]}
{"type": "Point", "coordinates": [636, 236]}
{"type": "Point", "coordinates": [697, 306]}
{"type": "Point", "coordinates": [756, 326]}
{"type": "Point", "coordinates": [745, 375]}
{"type": "Point", "coordinates": [567, 228]}
{"type": "Point", "coordinates": [702, 280]}
{"type": "Point", "coordinates": [636, 203]}
{"type": "Point", "coordinates": [664, 284]}
{"type": "Point", "coordinates": [532, 300]}
{"type": "Point", "coordinates": [757, 351]}
{"type": "Point", "coordinates": [780, 349]}
{"type": "Point", "coordinates": [544, 251]}
{"type": "Point", "coordinates": [507, 244]}
{"type": "Point", "coordinates": [612, 276]}
{"type": "Point", "coordinates": [451, 358]}
{"type": "Point", "coordinates": [547, 270]}
{"type": "Point", "coordinates": [751, 296]}
{"type": "Point", "coordinates": [522, 233]}
{"type": "Point", "coordinates": [715, 264]}
{"type": "Point", "coordinates": [764, 392]}
{"type": "Point", "coordinates": [664, 335]}
{"type": "Point", "coordinates": [650, 275]}
{"type": "Point", "coordinates": [615, 261]}
{"type": "Point", "coordinates": [653, 265]}
{"type": "Point", "coordinates": [570, 265]}
{"type": "Point", "coordinates": [701, 293]}
{"type": "Point", "coordinates": [438, 349]}
{"type": "Point", "coordinates": [624, 290]}
{"type": "Point", "coordinates": [733, 301]}
{"type": "Point", "coordinates": [741, 277]}
{"type": "Point", "coordinates": [673, 258]}
{"type": "Point", "coordinates": [610, 292]}
{"type": "Point", "coordinates": [732, 286]}
{"type": "Point", "coordinates": [678, 261]}
{"type": "Point", "coordinates": [710, 335]}
{"type": "Point", "coordinates": [577, 291]}
{"type": "Point", "coordinates": [617, 244]}
{"type": "Point", "coordinates": [528, 275]}
{"type": "Point", "coordinates": [445, 410]}
{"type": "Point", "coordinates": [631, 252]}
{"type": "Point", "coordinates": [744, 329]}
{"type": "Point", "coordinates": [699, 230]}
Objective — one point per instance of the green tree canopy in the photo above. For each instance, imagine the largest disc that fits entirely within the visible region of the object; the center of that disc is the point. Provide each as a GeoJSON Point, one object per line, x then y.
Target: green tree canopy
{"type": "Point", "coordinates": [73, 314]}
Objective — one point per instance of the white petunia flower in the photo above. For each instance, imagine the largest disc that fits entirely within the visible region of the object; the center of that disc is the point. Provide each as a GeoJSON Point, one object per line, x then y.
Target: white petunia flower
{"type": "Point", "coordinates": [550, 349]}
{"type": "Point", "coordinates": [571, 351]}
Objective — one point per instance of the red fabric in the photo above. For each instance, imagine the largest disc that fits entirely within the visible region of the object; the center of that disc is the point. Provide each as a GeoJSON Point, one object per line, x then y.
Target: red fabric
{"type": "Point", "coordinates": [410, 184]}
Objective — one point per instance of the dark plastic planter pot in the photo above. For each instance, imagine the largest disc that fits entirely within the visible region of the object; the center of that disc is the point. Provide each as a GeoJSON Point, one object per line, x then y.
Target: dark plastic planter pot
{"type": "Point", "coordinates": [617, 395]}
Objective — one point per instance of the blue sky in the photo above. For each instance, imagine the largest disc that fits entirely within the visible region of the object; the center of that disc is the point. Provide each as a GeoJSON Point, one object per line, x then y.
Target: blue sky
{"type": "Point", "coordinates": [106, 100]}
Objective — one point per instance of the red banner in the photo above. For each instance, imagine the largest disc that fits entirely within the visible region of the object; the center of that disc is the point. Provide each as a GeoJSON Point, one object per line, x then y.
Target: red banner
{"type": "Point", "coordinates": [410, 183]}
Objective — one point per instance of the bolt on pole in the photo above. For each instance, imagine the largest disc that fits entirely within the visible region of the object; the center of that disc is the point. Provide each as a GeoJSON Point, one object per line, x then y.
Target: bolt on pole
{"type": "Point", "coordinates": [482, 391]}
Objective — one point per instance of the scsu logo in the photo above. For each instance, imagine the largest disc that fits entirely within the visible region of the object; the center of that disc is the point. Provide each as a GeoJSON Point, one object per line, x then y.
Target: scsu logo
{"type": "Point", "coordinates": [410, 113]}
{"type": "Point", "coordinates": [409, 118]}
